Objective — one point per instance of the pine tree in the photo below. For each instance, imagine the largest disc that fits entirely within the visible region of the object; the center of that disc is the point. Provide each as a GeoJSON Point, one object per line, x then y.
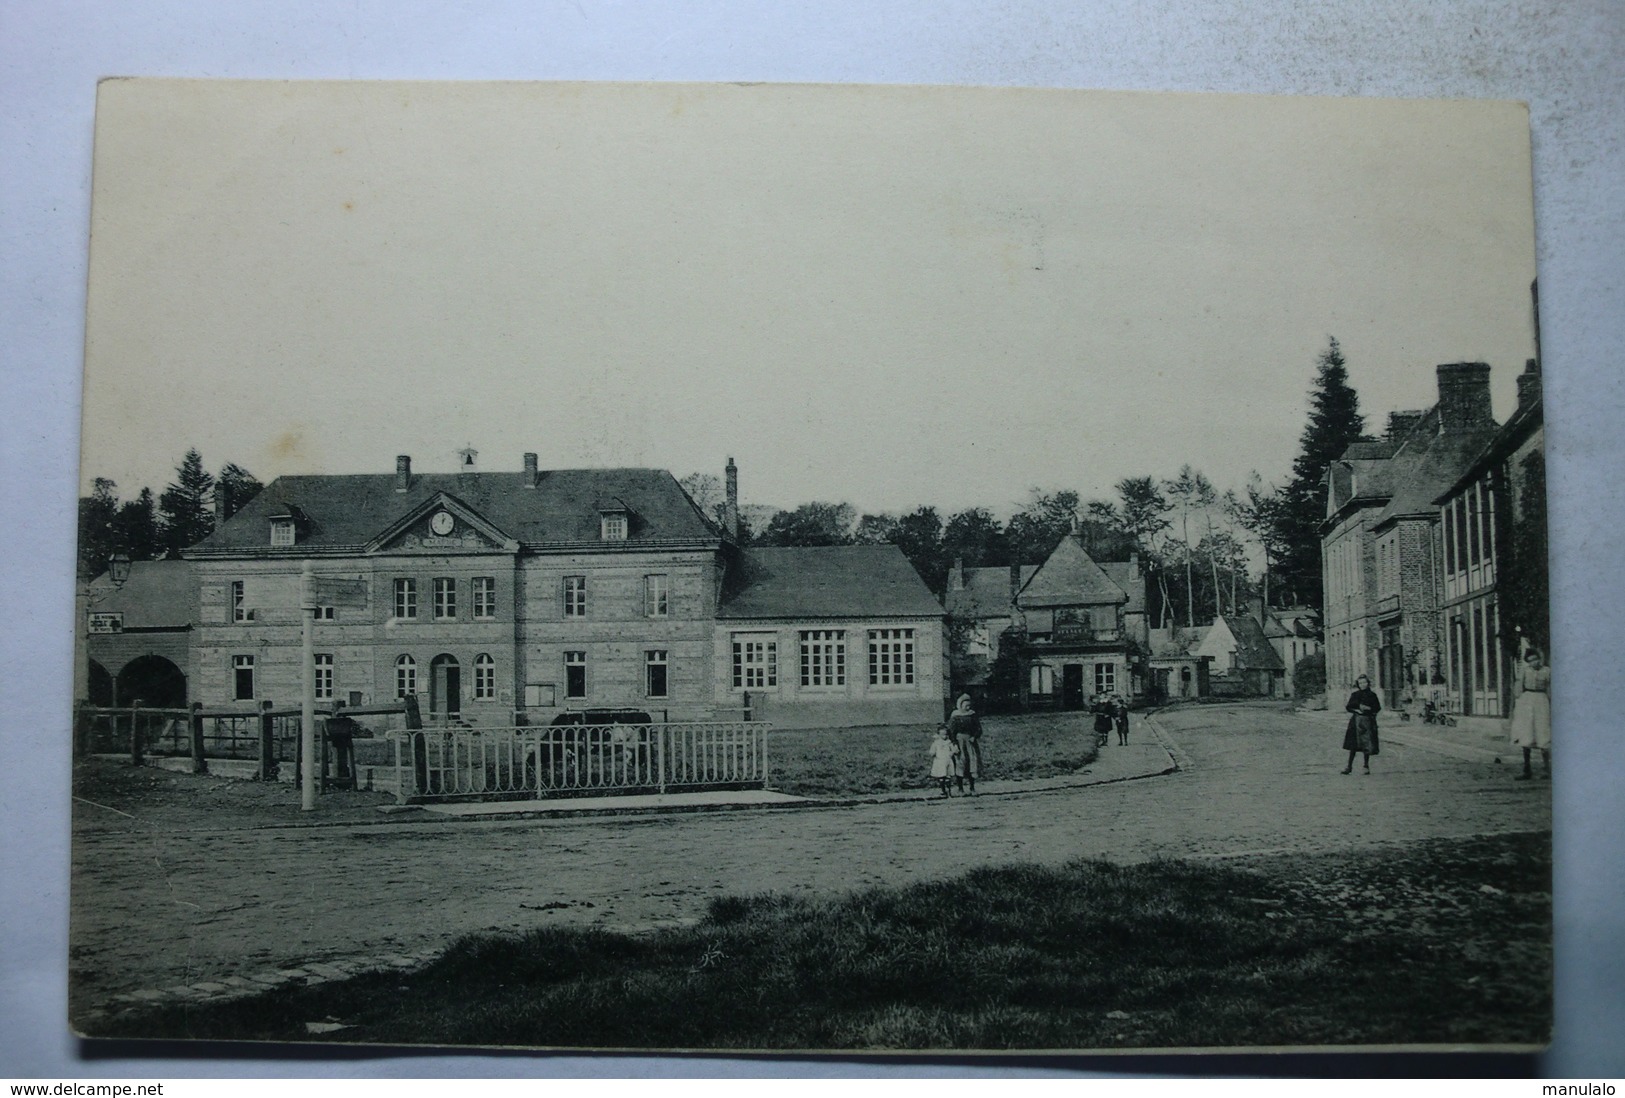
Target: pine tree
{"type": "Point", "coordinates": [1334, 424]}
{"type": "Point", "coordinates": [137, 526]}
{"type": "Point", "coordinates": [184, 506]}
{"type": "Point", "coordinates": [98, 536]}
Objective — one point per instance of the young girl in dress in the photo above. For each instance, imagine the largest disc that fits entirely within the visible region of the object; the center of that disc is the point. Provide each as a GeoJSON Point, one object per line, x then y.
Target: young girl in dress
{"type": "Point", "coordinates": [1532, 713]}
{"type": "Point", "coordinates": [944, 753]}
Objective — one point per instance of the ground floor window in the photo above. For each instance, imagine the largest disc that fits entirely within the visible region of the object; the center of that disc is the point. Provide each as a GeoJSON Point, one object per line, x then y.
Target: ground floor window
{"type": "Point", "coordinates": [654, 673]}
{"type": "Point", "coordinates": [891, 657]}
{"type": "Point", "coordinates": [406, 677]}
{"type": "Point", "coordinates": [755, 662]}
{"type": "Point", "coordinates": [485, 678]}
{"type": "Point", "coordinates": [324, 676]}
{"type": "Point", "coordinates": [242, 670]}
{"type": "Point", "coordinates": [1477, 674]}
{"type": "Point", "coordinates": [575, 674]}
{"type": "Point", "coordinates": [823, 657]}
{"type": "Point", "coordinates": [1105, 678]}
{"type": "Point", "coordinates": [1042, 680]}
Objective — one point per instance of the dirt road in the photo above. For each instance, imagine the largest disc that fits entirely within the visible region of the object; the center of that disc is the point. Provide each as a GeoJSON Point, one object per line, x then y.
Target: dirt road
{"type": "Point", "coordinates": [155, 908]}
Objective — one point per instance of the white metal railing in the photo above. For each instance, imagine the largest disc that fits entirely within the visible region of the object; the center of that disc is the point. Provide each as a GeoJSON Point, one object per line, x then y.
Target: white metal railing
{"type": "Point", "coordinates": [569, 760]}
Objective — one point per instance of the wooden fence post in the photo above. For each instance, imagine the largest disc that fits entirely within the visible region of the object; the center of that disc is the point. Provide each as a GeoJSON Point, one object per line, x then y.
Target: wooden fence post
{"type": "Point", "coordinates": [420, 748]}
{"type": "Point", "coordinates": [268, 763]}
{"type": "Point", "coordinates": [200, 763]}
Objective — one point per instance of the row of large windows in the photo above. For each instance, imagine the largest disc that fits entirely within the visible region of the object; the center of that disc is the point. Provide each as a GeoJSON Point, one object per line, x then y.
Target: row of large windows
{"type": "Point", "coordinates": [822, 659]}
{"type": "Point", "coordinates": [443, 598]}
{"type": "Point", "coordinates": [823, 664]}
{"type": "Point", "coordinates": [444, 604]}
{"type": "Point", "coordinates": [1469, 539]}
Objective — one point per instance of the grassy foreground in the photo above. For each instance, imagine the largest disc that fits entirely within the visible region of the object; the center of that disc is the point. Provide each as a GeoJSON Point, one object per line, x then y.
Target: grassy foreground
{"type": "Point", "coordinates": [833, 762]}
{"type": "Point", "coordinates": [1440, 942]}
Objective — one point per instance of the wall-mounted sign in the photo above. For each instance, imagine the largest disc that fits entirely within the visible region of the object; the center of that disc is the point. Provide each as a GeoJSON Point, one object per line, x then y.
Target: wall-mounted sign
{"type": "Point", "coordinates": [103, 623]}
{"type": "Point", "coordinates": [348, 593]}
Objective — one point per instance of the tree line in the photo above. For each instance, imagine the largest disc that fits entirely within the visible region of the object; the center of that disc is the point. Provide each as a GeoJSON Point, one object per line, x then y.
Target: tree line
{"type": "Point", "coordinates": [155, 528]}
{"type": "Point", "coordinates": [1197, 545]}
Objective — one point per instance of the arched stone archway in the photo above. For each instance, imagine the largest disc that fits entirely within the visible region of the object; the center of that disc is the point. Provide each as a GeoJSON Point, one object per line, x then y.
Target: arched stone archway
{"type": "Point", "coordinates": [100, 685]}
{"type": "Point", "coordinates": [154, 681]}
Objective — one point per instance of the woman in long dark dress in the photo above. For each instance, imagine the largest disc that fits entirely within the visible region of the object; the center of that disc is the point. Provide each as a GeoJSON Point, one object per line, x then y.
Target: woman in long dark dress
{"type": "Point", "coordinates": [1361, 737]}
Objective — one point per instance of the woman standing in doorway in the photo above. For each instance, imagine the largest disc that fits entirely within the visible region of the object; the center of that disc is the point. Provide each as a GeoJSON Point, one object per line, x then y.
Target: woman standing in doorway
{"type": "Point", "coordinates": [1361, 736]}
{"type": "Point", "coordinates": [1532, 713]}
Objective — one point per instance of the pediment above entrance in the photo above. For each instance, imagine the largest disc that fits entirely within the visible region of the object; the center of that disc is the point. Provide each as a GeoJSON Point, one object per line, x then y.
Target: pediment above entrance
{"type": "Point", "coordinates": [443, 524]}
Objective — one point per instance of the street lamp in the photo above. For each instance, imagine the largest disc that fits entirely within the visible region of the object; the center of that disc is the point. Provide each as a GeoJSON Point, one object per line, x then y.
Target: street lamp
{"type": "Point", "coordinates": [118, 567]}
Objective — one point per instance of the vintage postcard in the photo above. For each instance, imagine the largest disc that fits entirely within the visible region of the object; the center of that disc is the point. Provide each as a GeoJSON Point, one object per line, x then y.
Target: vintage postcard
{"type": "Point", "coordinates": [740, 567]}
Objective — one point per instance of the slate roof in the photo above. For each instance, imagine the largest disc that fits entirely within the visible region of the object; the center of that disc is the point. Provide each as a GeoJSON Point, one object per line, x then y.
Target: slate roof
{"type": "Point", "coordinates": [1122, 574]}
{"type": "Point", "coordinates": [827, 581]}
{"type": "Point", "coordinates": [986, 593]}
{"type": "Point", "coordinates": [1253, 650]}
{"type": "Point", "coordinates": [1070, 577]}
{"type": "Point", "coordinates": [1422, 469]}
{"type": "Point", "coordinates": [159, 594]}
{"type": "Point", "coordinates": [1275, 627]}
{"type": "Point", "coordinates": [346, 512]}
{"type": "Point", "coordinates": [1519, 426]}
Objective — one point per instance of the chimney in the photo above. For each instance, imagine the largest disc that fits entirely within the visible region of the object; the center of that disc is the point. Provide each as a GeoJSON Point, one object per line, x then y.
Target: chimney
{"type": "Point", "coordinates": [1529, 384]}
{"type": "Point", "coordinates": [1015, 579]}
{"type": "Point", "coordinates": [1401, 424]}
{"type": "Point", "coordinates": [222, 513]}
{"type": "Point", "coordinates": [403, 472]}
{"type": "Point", "coordinates": [730, 515]}
{"type": "Point", "coordinates": [1464, 398]}
{"type": "Point", "coordinates": [1258, 610]}
{"type": "Point", "coordinates": [1134, 566]}
{"type": "Point", "coordinates": [956, 575]}
{"type": "Point", "coordinates": [530, 471]}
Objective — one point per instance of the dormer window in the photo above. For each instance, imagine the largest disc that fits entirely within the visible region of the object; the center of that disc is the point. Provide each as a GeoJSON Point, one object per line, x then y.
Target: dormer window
{"type": "Point", "coordinates": [612, 525]}
{"type": "Point", "coordinates": [286, 523]}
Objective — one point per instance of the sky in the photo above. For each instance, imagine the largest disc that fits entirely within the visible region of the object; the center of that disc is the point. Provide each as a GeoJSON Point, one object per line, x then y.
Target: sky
{"type": "Point", "coordinates": [892, 296]}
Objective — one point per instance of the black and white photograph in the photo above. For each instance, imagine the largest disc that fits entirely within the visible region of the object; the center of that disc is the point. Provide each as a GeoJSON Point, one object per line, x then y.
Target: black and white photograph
{"type": "Point", "coordinates": [756, 567]}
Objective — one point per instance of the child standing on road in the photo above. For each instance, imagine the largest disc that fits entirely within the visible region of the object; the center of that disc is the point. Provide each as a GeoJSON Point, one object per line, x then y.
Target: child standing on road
{"type": "Point", "coordinates": [944, 754]}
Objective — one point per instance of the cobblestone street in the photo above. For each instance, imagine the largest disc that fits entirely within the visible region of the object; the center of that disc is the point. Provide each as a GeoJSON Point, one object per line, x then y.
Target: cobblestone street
{"type": "Point", "coordinates": [158, 912]}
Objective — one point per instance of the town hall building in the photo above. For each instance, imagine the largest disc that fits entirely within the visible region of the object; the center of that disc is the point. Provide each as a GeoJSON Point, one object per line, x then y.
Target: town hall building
{"type": "Point", "coordinates": [501, 598]}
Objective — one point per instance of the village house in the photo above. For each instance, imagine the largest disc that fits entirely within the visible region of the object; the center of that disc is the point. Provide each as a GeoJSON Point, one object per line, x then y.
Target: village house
{"type": "Point", "coordinates": [499, 598]}
{"type": "Point", "coordinates": [1477, 514]}
{"type": "Point", "coordinates": [1381, 544]}
{"type": "Point", "coordinates": [1176, 670]}
{"type": "Point", "coordinates": [1073, 628]}
{"type": "Point", "coordinates": [1294, 633]}
{"type": "Point", "coordinates": [1243, 661]}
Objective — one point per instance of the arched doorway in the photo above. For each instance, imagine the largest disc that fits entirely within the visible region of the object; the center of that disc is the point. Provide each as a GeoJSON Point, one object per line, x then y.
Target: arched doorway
{"type": "Point", "coordinates": [100, 686]}
{"type": "Point", "coordinates": [152, 680]}
{"type": "Point", "coordinates": [445, 687]}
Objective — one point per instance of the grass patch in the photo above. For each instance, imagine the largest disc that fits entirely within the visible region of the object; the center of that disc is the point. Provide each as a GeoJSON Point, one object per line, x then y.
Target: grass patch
{"type": "Point", "coordinates": [832, 762]}
{"type": "Point", "coordinates": [1442, 942]}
